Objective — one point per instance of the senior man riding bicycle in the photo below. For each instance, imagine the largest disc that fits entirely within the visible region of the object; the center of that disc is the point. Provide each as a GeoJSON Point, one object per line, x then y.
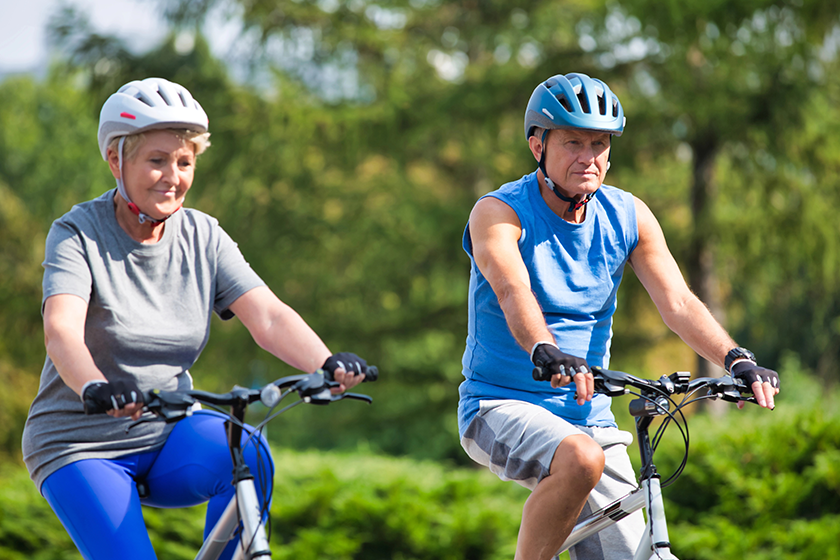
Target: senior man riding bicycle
{"type": "Point", "coordinates": [131, 280]}
{"type": "Point", "coordinates": [547, 256]}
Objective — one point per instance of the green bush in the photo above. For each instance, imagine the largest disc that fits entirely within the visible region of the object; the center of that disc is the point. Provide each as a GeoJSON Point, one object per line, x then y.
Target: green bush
{"type": "Point", "coordinates": [759, 486]}
{"type": "Point", "coordinates": [326, 506]}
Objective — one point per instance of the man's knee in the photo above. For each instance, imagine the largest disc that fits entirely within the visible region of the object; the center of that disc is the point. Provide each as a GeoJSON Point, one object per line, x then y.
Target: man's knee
{"type": "Point", "coordinates": [580, 458]}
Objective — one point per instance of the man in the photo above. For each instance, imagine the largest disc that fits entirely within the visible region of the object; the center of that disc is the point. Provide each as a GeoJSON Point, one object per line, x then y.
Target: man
{"type": "Point", "coordinates": [547, 254]}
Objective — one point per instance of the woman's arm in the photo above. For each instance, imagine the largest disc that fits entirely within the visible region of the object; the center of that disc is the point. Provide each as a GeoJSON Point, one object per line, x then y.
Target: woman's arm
{"type": "Point", "coordinates": [280, 330]}
{"type": "Point", "coordinates": [64, 338]}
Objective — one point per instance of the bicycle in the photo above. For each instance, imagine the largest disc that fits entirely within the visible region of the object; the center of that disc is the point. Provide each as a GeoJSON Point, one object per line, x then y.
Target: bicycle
{"type": "Point", "coordinates": [654, 398]}
{"type": "Point", "coordinates": [243, 515]}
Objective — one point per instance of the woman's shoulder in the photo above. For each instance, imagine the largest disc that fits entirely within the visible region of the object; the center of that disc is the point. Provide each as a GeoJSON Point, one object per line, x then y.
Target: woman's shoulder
{"type": "Point", "coordinates": [198, 221]}
{"type": "Point", "coordinates": [89, 215]}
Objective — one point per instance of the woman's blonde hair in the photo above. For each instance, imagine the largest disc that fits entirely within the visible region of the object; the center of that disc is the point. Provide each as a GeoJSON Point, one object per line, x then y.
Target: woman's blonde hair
{"type": "Point", "coordinates": [200, 141]}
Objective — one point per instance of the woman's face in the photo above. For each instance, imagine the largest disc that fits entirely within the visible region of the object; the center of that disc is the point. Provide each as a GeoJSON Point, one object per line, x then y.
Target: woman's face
{"type": "Point", "coordinates": [158, 177]}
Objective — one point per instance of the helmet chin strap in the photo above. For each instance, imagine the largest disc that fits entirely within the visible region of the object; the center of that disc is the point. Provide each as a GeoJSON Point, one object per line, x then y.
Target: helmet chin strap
{"type": "Point", "coordinates": [143, 218]}
{"type": "Point", "coordinates": [574, 204]}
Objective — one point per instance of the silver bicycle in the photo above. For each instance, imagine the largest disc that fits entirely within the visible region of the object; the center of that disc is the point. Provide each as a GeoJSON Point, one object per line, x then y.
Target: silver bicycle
{"type": "Point", "coordinates": [654, 398]}
{"type": "Point", "coordinates": [244, 517]}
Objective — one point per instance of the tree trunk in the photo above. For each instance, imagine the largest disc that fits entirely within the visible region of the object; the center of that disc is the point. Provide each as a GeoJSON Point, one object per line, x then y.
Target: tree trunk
{"type": "Point", "coordinates": [701, 259]}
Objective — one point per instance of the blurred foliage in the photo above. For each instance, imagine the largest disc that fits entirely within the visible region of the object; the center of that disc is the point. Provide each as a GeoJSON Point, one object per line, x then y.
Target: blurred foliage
{"type": "Point", "coordinates": [768, 489]}
{"type": "Point", "coordinates": [326, 505]}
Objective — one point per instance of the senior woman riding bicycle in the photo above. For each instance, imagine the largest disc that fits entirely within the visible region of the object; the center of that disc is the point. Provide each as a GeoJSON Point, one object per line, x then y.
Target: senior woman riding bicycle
{"type": "Point", "coordinates": [131, 279]}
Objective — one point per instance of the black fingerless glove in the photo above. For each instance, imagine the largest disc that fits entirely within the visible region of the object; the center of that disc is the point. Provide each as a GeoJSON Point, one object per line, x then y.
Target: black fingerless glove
{"type": "Point", "coordinates": [749, 373]}
{"type": "Point", "coordinates": [550, 360]}
{"type": "Point", "coordinates": [101, 396]}
{"type": "Point", "coordinates": [347, 361]}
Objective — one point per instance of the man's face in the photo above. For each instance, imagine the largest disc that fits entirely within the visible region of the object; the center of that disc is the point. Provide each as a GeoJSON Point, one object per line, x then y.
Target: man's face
{"type": "Point", "coordinates": [576, 160]}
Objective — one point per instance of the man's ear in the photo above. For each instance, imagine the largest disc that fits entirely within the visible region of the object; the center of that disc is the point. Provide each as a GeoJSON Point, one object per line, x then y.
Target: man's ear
{"type": "Point", "coordinates": [536, 146]}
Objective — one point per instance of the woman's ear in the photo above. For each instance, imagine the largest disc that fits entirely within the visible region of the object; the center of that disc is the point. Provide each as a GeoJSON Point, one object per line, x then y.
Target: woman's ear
{"type": "Point", "coordinates": [114, 163]}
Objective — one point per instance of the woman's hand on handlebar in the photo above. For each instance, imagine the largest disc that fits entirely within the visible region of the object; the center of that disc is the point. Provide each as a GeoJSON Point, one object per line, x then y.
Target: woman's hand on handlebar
{"type": "Point", "coordinates": [347, 369]}
{"type": "Point", "coordinates": [117, 398]}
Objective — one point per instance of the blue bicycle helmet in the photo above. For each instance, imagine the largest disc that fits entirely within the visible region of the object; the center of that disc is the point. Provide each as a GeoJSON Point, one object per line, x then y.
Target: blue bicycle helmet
{"type": "Point", "coordinates": [574, 101]}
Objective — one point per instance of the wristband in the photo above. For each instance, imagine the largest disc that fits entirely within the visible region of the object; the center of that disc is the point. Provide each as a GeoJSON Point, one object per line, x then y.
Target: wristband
{"type": "Point", "coordinates": [737, 355]}
{"type": "Point", "coordinates": [534, 347]}
{"type": "Point", "coordinates": [88, 384]}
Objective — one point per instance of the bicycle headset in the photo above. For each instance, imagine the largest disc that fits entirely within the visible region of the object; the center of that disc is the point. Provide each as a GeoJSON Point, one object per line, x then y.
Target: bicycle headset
{"type": "Point", "coordinates": [141, 105]}
{"type": "Point", "coordinates": [572, 101]}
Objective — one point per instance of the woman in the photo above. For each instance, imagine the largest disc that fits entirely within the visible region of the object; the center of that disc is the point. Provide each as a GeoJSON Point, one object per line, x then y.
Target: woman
{"type": "Point", "coordinates": [131, 279]}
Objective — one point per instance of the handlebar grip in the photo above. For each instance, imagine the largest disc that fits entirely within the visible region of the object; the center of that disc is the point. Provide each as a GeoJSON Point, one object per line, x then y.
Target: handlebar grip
{"type": "Point", "coordinates": [540, 374]}
{"type": "Point", "coordinates": [372, 374]}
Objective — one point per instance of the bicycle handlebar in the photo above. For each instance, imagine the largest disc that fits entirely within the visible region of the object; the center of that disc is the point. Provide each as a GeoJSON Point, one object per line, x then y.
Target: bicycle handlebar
{"type": "Point", "coordinates": [313, 388]}
{"type": "Point", "coordinates": [615, 383]}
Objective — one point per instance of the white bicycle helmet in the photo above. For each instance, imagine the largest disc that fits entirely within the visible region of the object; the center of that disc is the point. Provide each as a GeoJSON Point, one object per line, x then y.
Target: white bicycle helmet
{"type": "Point", "coordinates": [142, 105]}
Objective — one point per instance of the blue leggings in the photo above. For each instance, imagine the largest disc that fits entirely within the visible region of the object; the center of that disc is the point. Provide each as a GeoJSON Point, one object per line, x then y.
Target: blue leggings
{"type": "Point", "coordinates": [98, 503]}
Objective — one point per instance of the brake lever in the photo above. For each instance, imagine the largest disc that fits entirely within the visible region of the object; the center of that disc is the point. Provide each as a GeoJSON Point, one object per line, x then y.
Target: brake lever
{"type": "Point", "coordinates": [733, 391]}
{"type": "Point", "coordinates": [142, 420]}
{"type": "Point", "coordinates": [355, 396]}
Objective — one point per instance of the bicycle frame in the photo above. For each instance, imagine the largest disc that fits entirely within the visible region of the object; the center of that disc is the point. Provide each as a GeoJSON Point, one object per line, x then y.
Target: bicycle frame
{"type": "Point", "coordinates": [654, 544]}
{"type": "Point", "coordinates": [243, 514]}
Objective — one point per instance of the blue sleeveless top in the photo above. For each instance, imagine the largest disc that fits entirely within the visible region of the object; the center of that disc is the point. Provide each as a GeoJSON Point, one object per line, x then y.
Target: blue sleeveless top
{"type": "Point", "coordinates": [575, 271]}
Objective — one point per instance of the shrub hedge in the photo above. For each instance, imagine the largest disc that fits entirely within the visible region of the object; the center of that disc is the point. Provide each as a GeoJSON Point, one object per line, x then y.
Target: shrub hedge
{"type": "Point", "coordinates": [758, 486]}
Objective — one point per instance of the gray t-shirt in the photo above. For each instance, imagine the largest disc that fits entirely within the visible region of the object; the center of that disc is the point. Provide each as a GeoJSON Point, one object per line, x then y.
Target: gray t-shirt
{"type": "Point", "coordinates": [148, 318]}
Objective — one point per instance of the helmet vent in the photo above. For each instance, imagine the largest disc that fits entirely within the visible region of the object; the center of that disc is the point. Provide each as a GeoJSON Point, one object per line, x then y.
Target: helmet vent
{"type": "Point", "coordinates": [615, 107]}
{"type": "Point", "coordinates": [602, 105]}
{"type": "Point", "coordinates": [144, 99]}
{"type": "Point", "coordinates": [581, 96]}
{"type": "Point", "coordinates": [564, 102]}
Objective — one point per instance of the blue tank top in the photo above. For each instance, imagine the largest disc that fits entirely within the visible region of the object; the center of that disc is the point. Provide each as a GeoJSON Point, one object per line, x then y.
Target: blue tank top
{"type": "Point", "coordinates": [575, 271]}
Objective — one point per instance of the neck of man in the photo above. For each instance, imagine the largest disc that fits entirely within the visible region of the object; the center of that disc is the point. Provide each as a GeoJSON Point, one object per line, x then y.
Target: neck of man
{"type": "Point", "coordinates": [558, 206]}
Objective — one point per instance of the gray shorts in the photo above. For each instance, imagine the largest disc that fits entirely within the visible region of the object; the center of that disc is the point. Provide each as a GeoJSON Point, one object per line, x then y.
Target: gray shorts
{"type": "Point", "coordinates": [517, 440]}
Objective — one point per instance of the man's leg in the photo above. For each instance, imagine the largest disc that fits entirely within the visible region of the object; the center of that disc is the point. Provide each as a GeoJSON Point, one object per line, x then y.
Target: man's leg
{"type": "Point", "coordinates": [559, 463]}
{"type": "Point", "coordinates": [552, 509]}
{"type": "Point", "coordinates": [619, 479]}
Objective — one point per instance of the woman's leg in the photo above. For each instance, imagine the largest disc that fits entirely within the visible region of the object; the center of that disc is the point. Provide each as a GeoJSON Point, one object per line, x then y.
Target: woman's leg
{"type": "Point", "coordinates": [195, 466]}
{"type": "Point", "coordinates": [97, 502]}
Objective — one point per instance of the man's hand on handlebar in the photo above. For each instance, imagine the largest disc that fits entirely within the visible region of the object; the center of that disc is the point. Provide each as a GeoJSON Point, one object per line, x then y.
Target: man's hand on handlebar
{"type": "Point", "coordinates": [564, 368]}
{"type": "Point", "coordinates": [763, 382]}
{"type": "Point", "coordinates": [345, 368]}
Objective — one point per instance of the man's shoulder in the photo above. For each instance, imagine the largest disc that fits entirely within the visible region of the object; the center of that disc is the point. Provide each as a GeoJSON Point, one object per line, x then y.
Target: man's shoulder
{"type": "Point", "coordinates": [518, 188]}
{"type": "Point", "coordinates": [515, 193]}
